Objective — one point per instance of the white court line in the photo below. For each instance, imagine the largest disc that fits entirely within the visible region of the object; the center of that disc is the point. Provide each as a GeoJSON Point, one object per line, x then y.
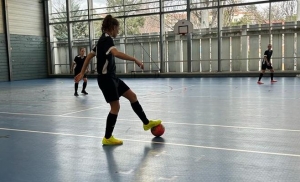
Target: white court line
{"type": "Point", "coordinates": [237, 127]}
{"type": "Point", "coordinates": [188, 124]}
{"type": "Point", "coordinates": [139, 97]}
{"type": "Point", "coordinates": [163, 143]}
{"type": "Point", "coordinates": [28, 114]}
{"type": "Point", "coordinates": [80, 111]}
{"type": "Point", "coordinates": [47, 115]}
{"type": "Point", "coordinates": [230, 98]}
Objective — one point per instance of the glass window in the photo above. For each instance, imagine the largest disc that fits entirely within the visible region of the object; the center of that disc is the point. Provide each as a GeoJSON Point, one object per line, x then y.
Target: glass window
{"type": "Point", "coordinates": [246, 29]}
{"type": "Point", "coordinates": [174, 5]}
{"type": "Point", "coordinates": [96, 29]}
{"type": "Point", "coordinates": [134, 25]}
{"type": "Point", "coordinates": [59, 49]}
{"type": "Point", "coordinates": [113, 7]}
{"type": "Point", "coordinates": [57, 11]}
{"type": "Point", "coordinates": [80, 31]}
{"type": "Point", "coordinates": [203, 3]}
{"type": "Point", "coordinates": [141, 7]}
{"type": "Point", "coordinates": [78, 10]}
{"type": "Point", "coordinates": [59, 32]}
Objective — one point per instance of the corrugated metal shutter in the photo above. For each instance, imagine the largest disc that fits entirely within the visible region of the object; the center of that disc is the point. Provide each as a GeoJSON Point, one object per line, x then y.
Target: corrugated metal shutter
{"type": "Point", "coordinates": [27, 39]}
{"type": "Point", "coordinates": [25, 17]}
{"type": "Point", "coordinates": [3, 53]}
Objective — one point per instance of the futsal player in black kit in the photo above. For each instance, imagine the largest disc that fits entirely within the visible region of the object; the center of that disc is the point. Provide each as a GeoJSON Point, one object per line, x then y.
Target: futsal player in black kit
{"type": "Point", "coordinates": [266, 64]}
{"type": "Point", "coordinates": [78, 63]}
{"type": "Point", "coordinates": [111, 86]}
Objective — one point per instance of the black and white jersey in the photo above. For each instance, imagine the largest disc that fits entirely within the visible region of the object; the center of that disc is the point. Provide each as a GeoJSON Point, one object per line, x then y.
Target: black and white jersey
{"type": "Point", "coordinates": [268, 54]}
{"type": "Point", "coordinates": [79, 61]}
{"type": "Point", "coordinates": [105, 60]}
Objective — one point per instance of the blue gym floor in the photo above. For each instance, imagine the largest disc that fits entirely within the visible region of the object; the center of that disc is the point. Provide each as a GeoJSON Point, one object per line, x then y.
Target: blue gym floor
{"type": "Point", "coordinates": [217, 129]}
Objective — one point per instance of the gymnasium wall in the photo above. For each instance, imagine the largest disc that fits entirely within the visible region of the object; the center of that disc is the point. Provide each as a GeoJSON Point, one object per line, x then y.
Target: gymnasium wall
{"type": "Point", "coordinates": [27, 39]}
{"type": "Point", "coordinates": [1, 18]}
{"type": "Point", "coordinates": [3, 54]}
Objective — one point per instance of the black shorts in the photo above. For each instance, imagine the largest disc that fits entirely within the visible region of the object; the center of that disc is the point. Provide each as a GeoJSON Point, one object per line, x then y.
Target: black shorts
{"type": "Point", "coordinates": [112, 88]}
{"type": "Point", "coordinates": [265, 66]}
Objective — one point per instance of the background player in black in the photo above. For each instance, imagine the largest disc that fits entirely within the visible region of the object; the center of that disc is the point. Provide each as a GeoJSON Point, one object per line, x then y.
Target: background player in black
{"type": "Point", "coordinates": [78, 63]}
{"type": "Point", "coordinates": [266, 64]}
{"type": "Point", "coordinates": [111, 86]}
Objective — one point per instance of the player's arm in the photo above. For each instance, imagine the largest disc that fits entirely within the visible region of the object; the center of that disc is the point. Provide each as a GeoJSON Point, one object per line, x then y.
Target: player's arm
{"type": "Point", "coordinates": [84, 67]}
{"type": "Point", "coordinates": [124, 56]}
{"type": "Point", "coordinates": [267, 62]}
{"type": "Point", "coordinates": [72, 67]}
{"type": "Point", "coordinates": [265, 57]}
{"type": "Point", "coordinates": [87, 62]}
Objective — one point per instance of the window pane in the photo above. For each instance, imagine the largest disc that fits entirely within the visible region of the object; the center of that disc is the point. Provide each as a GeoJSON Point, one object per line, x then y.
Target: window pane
{"type": "Point", "coordinates": [57, 11]}
{"type": "Point", "coordinates": [80, 30]}
{"type": "Point", "coordinates": [206, 18]}
{"type": "Point", "coordinates": [245, 34]}
{"type": "Point", "coordinates": [173, 5]}
{"type": "Point", "coordinates": [203, 3]}
{"type": "Point", "coordinates": [141, 7]}
{"type": "Point", "coordinates": [101, 8]}
{"type": "Point", "coordinates": [151, 24]}
{"type": "Point", "coordinates": [59, 49]}
{"type": "Point", "coordinates": [285, 36]}
{"type": "Point", "coordinates": [96, 29]}
{"type": "Point", "coordinates": [78, 10]}
{"type": "Point", "coordinates": [60, 32]}
{"type": "Point", "coordinates": [134, 25]}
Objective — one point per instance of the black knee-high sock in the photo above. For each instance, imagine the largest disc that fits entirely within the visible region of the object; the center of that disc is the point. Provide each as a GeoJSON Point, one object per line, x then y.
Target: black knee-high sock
{"type": "Point", "coordinates": [272, 75]}
{"type": "Point", "coordinates": [84, 85]}
{"type": "Point", "coordinates": [139, 111]}
{"type": "Point", "coordinates": [76, 87]}
{"type": "Point", "coordinates": [110, 125]}
{"type": "Point", "coordinates": [260, 76]}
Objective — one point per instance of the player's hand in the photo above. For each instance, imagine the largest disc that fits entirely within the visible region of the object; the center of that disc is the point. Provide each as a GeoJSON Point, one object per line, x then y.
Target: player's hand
{"type": "Point", "coordinates": [140, 64]}
{"type": "Point", "coordinates": [78, 77]}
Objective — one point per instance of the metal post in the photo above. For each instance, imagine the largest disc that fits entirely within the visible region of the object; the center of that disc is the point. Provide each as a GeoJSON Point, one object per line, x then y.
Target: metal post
{"type": "Point", "coordinates": [89, 23]}
{"type": "Point", "coordinates": [219, 37]}
{"type": "Point", "coordinates": [47, 35]}
{"type": "Point", "coordinates": [91, 27]}
{"type": "Point", "coordinates": [7, 38]}
{"type": "Point", "coordinates": [69, 32]}
{"type": "Point", "coordinates": [270, 22]}
{"type": "Point", "coordinates": [161, 37]}
{"type": "Point", "coordinates": [189, 41]}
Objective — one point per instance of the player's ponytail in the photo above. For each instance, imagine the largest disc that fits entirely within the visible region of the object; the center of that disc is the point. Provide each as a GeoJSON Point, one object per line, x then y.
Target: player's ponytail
{"type": "Point", "coordinates": [108, 23]}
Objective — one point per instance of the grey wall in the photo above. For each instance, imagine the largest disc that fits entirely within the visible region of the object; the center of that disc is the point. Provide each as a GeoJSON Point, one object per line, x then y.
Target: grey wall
{"type": "Point", "coordinates": [28, 57]}
{"type": "Point", "coordinates": [3, 59]}
{"type": "Point", "coordinates": [27, 39]}
{"type": "Point", "coordinates": [1, 18]}
{"type": "Point", "coordinates": [3, 54]}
